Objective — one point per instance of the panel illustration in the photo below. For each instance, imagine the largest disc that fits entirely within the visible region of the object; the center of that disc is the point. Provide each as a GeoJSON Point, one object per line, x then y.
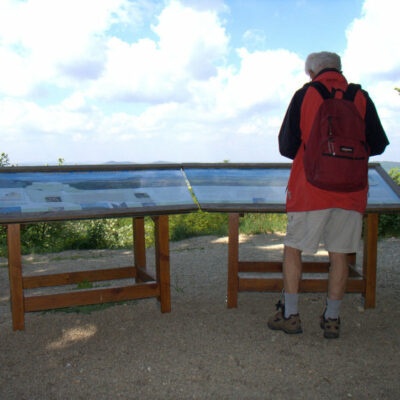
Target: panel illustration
{"type": "Point", "coordinates": [83, 192]}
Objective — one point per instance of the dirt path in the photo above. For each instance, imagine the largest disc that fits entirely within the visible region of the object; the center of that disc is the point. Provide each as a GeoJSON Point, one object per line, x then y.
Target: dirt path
{"type": "Point", "coordinates": [202, 350]}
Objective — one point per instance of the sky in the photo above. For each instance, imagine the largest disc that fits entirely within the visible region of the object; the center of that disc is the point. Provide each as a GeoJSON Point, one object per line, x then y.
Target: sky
{"type": "Point", "coordinates": [95, 81]}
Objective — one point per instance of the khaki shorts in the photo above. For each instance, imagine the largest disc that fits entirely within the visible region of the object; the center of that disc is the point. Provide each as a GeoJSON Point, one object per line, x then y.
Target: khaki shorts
{"type": "Point", "coordinates": [338, 229]}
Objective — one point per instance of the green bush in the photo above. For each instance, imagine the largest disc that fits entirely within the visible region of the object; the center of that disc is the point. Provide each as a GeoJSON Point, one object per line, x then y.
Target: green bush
{"type": "Point", "coordinates": [46, 237]}
{"type": "Point", "coordinates": [196, 224]}
{"type": "Point", "coordinates": [98, 234]}
{"type": "Point", "coordinates": [253, 224]}
{"type": "Point", "coordinates": [42, 237]}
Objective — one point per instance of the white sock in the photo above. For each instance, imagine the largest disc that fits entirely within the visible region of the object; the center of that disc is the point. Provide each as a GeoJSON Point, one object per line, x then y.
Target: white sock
{"type": "Point", "coordinates": [291, 304]}
{"type": "Point", "coordinates": [332, 308]}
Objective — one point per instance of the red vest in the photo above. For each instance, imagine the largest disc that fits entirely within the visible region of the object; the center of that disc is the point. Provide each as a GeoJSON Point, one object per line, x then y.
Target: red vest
{"type": "Point", "coordinates": [301, 195]}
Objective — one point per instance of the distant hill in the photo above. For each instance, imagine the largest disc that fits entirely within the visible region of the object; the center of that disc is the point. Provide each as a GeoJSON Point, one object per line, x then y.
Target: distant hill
{"type": "Point", "coordinates": [120, 162]}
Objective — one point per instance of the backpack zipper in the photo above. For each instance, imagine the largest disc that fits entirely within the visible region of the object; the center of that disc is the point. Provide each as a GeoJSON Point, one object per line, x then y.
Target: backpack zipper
{"type": "Point", "coordinates": [331, 146]}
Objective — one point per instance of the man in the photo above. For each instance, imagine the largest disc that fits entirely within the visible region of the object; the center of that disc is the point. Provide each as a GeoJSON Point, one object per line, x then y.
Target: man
{"type": "Point", "coordinates": [316, 214]}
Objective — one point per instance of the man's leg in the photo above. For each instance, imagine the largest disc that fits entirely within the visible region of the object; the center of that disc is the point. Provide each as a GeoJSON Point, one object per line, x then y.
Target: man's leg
{"type": "Point", "coordinates": [338, 274]}
{"type": "Point", "coordinates": [292, 268]}
{"type": "Point", "coordinates": [341, 236]}
{"type": "Point", "coordinates": [289, 320]}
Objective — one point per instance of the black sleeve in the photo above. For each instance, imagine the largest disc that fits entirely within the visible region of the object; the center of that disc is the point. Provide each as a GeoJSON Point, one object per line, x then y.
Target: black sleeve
{"type": "Point", "coordinates": [374, 133]}
{"type": "Point", "coordinates": [290, 134]}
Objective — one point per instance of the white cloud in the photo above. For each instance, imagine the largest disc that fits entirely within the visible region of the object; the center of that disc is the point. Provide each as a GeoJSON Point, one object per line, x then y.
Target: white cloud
{"type": "Point", "coordinates": [265, 78]}
{"type": "Point", "coordinates": [77, 103]}
{"type": "Point", "coordinates": [372, 58]}
{"type": "Point", "coordinates": [19, 119]}
{"type": "Point", "coordinates": [373, 43]}
{"type": "Point", "coordinates": [14, 76]}
{"type": "Point", "coordinates": [191, 44]}
{"type": "Point", "coordinates": [57, 41]}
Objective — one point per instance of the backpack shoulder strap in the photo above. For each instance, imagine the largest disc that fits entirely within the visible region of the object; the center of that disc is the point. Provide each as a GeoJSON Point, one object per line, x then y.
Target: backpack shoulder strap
{"type": "Point", "coordinates": [351, 91]}
{"type": "Point", "coordinates": [322, 89]}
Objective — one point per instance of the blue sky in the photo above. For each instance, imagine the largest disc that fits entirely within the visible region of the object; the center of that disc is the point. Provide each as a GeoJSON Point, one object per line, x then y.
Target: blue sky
{"type": "Point", "coordinates": [93, 81]}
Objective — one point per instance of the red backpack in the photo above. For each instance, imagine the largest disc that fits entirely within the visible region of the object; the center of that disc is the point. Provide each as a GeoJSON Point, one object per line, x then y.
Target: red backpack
{"type": "Point", "coordinates": [336, 153]}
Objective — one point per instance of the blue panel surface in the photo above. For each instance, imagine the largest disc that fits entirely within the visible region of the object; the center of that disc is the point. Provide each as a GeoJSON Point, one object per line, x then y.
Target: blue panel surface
{"type": "Point", "coordinates": [379, 191]}
{"type": "Point", "coordinates": [266, 186]}
{"type": "Point", "coordinates": [239, 186]}
{"type": "Point", "coordinates": [56, 194]}
{"type": "Point", "coordinates": [82, 192]}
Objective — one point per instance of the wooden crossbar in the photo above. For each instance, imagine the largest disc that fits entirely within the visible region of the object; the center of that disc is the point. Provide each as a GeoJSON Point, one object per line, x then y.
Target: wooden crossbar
{"type": "Point", "coordinates": [91, 296]}
{"type": "Point", "coordinates": [68, 278]}
{"type": "Point", "coordinates": [315, 284]}
{"type": "Point", "coordinates": [276, 266]}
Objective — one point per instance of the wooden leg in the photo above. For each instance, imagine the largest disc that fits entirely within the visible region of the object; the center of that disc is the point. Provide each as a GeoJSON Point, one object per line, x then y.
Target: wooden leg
{"type": "Point", "coordinates": [352, 258]}
{"type": "Point", "coordinates": [352, 261]}
{"type": "Point", "coordinates": [233, 261]}
{"type": "Point", "coordinates": [162, 261]}
{"type": "Point", "coordinates": [370, 259]}
{"type": "Point", "coordinates": [15, 274]}
{"type": "Point", "coordinates": [139, 246]}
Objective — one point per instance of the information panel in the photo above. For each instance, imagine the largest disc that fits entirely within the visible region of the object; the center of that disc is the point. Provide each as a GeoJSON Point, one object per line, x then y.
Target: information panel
{"type": "Point", "coordinates": [34, 194]}
{"type": "Point", "coordinates": [230, 187]}
{"type": "Point", "coordinates": [37, 195]}
{"type": "Point", "coordinates": [263, 188]}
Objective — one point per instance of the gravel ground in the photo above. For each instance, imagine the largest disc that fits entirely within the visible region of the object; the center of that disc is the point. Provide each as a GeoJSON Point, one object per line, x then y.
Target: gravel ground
{"type": "Point", "coordinates": [202, 350]}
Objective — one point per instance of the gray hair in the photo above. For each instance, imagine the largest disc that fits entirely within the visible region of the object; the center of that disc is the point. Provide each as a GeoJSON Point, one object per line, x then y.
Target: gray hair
{"type": "Point", "coordinates": [316, 62]}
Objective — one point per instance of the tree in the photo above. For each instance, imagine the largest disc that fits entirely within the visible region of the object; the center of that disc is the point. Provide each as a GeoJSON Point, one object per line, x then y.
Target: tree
{"type": "Point", "coordinates": [4, 160]}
